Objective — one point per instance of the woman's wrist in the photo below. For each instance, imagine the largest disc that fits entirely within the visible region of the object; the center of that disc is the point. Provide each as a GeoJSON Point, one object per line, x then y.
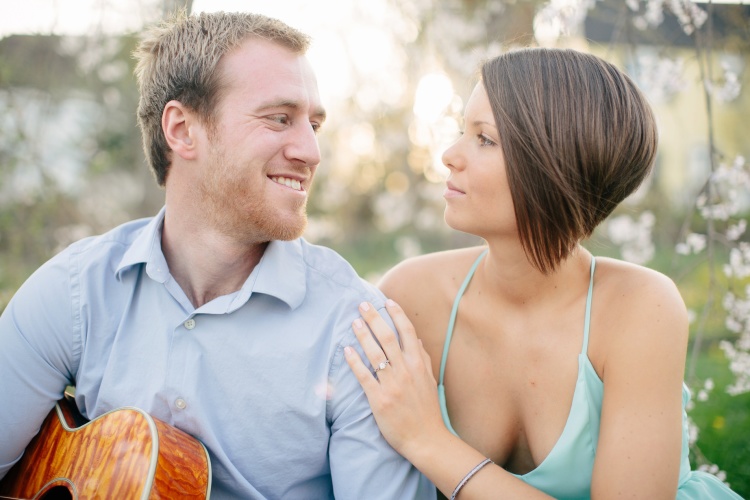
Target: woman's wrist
{"type": "Point", "coordinates": [443, 457]}
{"type": "Point", "coordinates": [468, 476]}
{"type": "Point", "coordinates": [424, 447]}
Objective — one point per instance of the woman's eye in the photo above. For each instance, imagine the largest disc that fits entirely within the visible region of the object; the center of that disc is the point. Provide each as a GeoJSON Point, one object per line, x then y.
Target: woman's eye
{"type": "Point", "coordinates": [485, 141]}
{"type": "Point", "coordinates": [315, 126]}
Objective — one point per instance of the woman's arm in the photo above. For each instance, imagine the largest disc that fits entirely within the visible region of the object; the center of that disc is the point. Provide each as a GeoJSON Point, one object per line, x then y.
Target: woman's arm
{"type": "Point", "coordinates": [404, 401]}
{"type": "Point", "coordinates": [645, 343]}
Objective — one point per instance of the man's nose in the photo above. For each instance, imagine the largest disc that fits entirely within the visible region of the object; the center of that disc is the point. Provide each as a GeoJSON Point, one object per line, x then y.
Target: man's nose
{"type": "Point", "coordinates": [303, 146]}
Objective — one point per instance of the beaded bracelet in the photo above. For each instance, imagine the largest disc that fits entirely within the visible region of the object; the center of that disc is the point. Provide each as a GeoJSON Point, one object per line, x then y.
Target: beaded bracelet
{"type": "Point", "coordinates": [468, 476]}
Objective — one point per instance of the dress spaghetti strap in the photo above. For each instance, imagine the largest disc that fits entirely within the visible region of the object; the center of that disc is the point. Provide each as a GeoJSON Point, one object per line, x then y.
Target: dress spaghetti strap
{"type": "Point", "coordinates": [454, 312]}
{"type": "Point", "coordinates": [587, 320]}
{"type": "Point", "coordinates": [448, 337]}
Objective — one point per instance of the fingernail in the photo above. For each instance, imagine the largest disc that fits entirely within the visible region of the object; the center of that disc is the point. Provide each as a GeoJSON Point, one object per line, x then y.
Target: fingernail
{"type": "Point", "coordinates": [364, 306]}
{"type": "Point", "coordinates": [390, 302]}
{"type": "Point", "coordinates": [358, 323]}
{"type": "Point", "coordinates": [347, 351]}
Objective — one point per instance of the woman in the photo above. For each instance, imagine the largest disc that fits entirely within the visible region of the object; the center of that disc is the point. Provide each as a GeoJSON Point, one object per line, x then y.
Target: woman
{"type": "Point", "coordinates": [562, 369]}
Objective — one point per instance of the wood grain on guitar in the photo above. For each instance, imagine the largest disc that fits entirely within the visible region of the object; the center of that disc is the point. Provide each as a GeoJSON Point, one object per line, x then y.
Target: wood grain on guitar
{"type": "Point", "coordinates": [123, 454]}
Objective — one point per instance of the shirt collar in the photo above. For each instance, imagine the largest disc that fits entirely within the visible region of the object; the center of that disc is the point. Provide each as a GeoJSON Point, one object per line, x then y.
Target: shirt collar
{"type": "Point", "coordinates": [280, 272]}
{"type": "Point", "coordinates": [146, 249]}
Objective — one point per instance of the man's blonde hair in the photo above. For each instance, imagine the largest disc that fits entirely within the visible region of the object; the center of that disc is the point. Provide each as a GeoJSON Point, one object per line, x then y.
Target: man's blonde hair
{"type": "Point", "coordinates": [178, 59]}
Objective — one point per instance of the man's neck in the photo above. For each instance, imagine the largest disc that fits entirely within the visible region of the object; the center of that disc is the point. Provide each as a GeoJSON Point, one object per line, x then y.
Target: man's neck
{"type": "Point", "coordinates": [205, 263]}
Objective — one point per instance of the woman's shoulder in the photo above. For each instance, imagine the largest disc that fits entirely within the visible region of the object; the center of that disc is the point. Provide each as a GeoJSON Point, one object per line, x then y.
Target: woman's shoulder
{"type": "Point", "coordinates": [428, 275]}
{"type": "Point", "coordinates": [633, 282]}
{"type": "Point", "coordinates": [434, 267]}
{"type": "Point", "coordinates": [638, 304]}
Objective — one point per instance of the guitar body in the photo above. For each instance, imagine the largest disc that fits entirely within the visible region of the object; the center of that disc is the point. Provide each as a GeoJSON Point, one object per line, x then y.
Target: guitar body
{"type": "Point", "coordinates": [124, 454]}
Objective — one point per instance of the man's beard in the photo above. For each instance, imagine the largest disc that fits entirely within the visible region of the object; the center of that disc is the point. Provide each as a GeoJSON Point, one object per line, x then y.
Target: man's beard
{"type": "Point", "coordinates": [235, 208]}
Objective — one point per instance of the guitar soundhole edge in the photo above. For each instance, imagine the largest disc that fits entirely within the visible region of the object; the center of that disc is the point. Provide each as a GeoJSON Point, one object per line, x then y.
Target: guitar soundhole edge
{"type": "Point", "coordinates": [57, 493]}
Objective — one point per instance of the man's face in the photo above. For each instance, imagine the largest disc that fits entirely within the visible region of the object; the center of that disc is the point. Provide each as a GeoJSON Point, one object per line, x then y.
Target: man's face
{"type": "Point", "coordinates": [263, 148]}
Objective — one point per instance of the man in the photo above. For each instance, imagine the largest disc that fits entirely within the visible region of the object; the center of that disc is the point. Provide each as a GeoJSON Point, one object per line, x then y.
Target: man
{"type": "Point", "coordinates": [214, 316]}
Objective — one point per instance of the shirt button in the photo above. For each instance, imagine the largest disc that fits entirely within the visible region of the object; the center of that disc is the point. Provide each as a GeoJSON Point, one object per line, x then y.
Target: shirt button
{"type": "Point", "coordinates": [190, 324]}
{"type": "Point", "coordinates": [180, 403]}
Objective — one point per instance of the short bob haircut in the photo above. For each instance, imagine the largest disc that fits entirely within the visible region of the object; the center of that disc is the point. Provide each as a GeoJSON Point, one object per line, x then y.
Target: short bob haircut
{"type": "Point", "coordinates": [578, 138]}
{"type": "Point", "coordinates": [179, 60]}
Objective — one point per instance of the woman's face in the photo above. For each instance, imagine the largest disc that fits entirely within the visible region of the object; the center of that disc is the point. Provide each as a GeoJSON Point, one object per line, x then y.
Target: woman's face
{"type": "Point", "coordinates": [477, 195]}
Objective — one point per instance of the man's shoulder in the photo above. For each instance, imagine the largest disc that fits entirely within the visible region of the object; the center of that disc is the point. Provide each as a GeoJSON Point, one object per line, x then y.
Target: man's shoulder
{"type": "Point", "coordinates": [326, 266]}
{"type": "Point", "coordinates": [102, 251]}
{"type": "Point", "coordinates": [88, 261]}
{"type": "Point", "coordinates": [122, 235]}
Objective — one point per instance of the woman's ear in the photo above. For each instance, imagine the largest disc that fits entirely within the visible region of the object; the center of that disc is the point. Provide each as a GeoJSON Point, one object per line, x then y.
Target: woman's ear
{"type": "Point", "coordinates": [177, 124]}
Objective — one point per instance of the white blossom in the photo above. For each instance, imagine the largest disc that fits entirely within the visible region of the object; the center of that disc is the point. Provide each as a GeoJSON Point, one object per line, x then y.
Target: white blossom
{"type": "Point", "coordinates": [730, 185]}
{"type": "Point", "coordinates": [739, 364]}
{"type": "Point", "coordinates": [660, 77]}
{"type": "Point", "coordinates": [688, 14]}
{"type": "Point", "coordinates": [692, 316]}
{"type": "Point", "coordinates": [694, 243]}
{"type": "Point", "coordinates": [560, 18]}
{"type": "Point", "coordinates": [633, 236]}
{"type": "Point", "coordinates": [713, 469]}
{"type": "Point", "coordinates": [739, 261]}
{"type": "Point", "coordinates": [652, 16]}
{"type": "Point", "coordinates": [730, 89]}
{"type": "Point", "coordinates": [734, 231]}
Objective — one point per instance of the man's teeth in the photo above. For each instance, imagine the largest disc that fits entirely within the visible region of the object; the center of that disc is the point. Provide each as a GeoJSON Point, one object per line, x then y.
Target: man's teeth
{"type": "Point", "coordinates": [291, 183]}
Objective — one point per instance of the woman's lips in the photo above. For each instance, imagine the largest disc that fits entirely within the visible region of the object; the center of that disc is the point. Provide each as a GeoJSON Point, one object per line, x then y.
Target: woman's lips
{"type": "Point", "coordinates": [451, 191]}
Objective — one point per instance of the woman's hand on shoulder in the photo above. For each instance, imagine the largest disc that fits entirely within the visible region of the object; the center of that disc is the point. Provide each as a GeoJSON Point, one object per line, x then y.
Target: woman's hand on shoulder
{"type": "Point", "coordinates": [402, 392]}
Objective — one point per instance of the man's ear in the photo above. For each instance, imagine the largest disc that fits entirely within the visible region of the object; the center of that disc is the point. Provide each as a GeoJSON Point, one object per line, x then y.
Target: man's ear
{"type": "Point", "coordinates": [178, 123]}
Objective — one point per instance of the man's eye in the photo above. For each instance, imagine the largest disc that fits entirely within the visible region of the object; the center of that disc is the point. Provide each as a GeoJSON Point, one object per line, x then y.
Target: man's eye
{"type": "Point", "coordinates": [282, 119]}
{"type": "Point", "coordinates": [315, 126]}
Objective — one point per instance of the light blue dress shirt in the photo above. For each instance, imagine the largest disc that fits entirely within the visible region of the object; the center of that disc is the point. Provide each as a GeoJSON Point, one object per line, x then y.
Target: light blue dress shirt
{"type": "Point", "coordinates": [257, 375]}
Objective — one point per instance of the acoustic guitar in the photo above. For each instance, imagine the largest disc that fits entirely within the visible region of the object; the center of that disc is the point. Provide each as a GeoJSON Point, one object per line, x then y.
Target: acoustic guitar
{"type": "Point", "coordinates": [123, 454]}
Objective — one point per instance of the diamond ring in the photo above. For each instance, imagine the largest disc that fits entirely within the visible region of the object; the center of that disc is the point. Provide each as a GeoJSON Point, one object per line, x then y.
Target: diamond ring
{"type": "Point", "coordinates": [382, 366]}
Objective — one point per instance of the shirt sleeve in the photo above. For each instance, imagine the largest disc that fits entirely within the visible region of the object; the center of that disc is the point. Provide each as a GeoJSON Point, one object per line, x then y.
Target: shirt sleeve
{"type": "Point", "coordinates": [36, 356]}
{"type": "Point", "coordinates": [363, 464]}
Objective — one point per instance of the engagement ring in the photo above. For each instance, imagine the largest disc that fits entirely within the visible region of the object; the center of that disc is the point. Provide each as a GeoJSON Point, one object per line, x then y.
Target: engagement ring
{"type": "Point", "coordinates": [382, 366]}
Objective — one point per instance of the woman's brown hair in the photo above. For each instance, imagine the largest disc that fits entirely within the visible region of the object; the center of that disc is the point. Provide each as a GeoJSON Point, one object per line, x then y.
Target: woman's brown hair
{"type": "Point", "coordinates": [578, 138]}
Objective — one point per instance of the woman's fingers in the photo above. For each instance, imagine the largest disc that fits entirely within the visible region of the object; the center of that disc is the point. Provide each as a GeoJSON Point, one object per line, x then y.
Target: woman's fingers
{"type": "Point", "coordinates": [369, 345]}
{"type": "Point", "coordinates": [405, 329]}
{"type": "Point", "coordinates": [404, 396]}
{"type": "Point", "coordinates": [384, 335]}
{"type": "Point", "coordinates": [382, 347]}
{"type": "Point", "coordinates": [361, 372]}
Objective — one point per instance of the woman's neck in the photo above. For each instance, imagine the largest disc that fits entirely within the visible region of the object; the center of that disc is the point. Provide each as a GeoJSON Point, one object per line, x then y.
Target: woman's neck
{"type": "Point", "coordinates": [507, 275]}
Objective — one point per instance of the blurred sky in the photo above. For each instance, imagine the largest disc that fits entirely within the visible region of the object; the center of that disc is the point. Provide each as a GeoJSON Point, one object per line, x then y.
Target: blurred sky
{"type": "Point", "coordinates": [112, 16]}
{"type": "Point", "coordinates": [338, 28]}
{"type": "Point", "coordinates": [76, 17]}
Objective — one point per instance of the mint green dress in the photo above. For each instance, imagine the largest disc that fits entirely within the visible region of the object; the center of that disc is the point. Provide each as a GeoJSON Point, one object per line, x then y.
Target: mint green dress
{"type": "Point", "coordinates": [566, 472]}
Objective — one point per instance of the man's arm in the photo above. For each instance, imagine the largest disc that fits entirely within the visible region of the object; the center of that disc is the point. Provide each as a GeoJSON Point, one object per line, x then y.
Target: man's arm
{"type": "Point", "coordinates": [36, 352]}
{"type": "Point", "coordinates": [363, 464]}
